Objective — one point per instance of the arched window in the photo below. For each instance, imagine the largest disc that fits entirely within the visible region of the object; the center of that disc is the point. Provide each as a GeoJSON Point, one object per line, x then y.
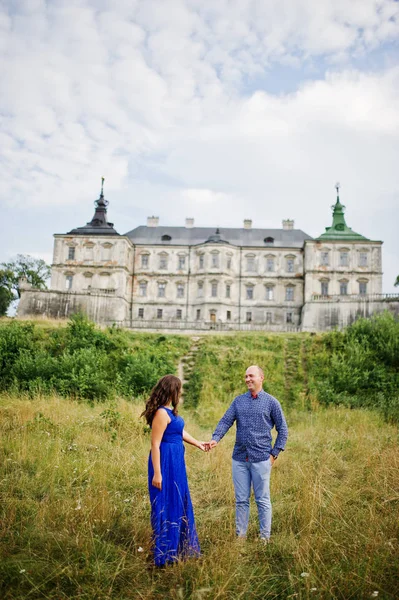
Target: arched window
{"type": "Point", "coordinates": [269, 240]}
{"type": "Point", "coordinates": [166, 238]}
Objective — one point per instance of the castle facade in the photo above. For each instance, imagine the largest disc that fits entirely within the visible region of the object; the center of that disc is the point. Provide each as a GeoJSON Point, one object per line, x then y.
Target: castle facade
{"type": "Point", "coordinates": [191, 277]}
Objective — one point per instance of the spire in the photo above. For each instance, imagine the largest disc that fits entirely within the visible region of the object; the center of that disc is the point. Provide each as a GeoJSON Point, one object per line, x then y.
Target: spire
{"type": "Point", "coordinates": [99, 224]}
{"type": "Point", "coordinates": [339, 229]}
{"type": "Point", "coordinates": [216, 238]}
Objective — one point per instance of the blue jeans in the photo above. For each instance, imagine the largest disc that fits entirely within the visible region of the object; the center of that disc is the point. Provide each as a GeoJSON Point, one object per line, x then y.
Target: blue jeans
{"type": "Point", "coordinates": [257, 474]}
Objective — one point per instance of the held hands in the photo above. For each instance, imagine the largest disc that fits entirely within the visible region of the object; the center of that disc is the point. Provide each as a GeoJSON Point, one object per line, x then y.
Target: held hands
{"type": "Point", "coordinates": [207, 446]}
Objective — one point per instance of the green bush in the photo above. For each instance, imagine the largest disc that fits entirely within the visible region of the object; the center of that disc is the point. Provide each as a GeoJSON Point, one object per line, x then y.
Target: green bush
{"type": "Point", "coordinates": [83, 361]}
{"type": "Point", "coordinates": [359, 367]}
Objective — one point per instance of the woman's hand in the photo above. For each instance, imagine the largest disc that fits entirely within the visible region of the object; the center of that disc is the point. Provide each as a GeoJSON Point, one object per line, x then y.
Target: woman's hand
{"type": "Point", "coordinates": [157, 481]}
{"type": "Point", "coordinates": [204, 446]}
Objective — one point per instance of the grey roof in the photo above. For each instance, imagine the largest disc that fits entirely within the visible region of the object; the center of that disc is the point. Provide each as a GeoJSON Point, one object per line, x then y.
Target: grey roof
{"type": "Point", "coordinates": [183, 236]}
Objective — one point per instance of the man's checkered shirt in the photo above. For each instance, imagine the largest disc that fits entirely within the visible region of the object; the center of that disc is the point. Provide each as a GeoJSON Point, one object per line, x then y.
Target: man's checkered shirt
{"type": "Point", "coordinates": [255, 417]}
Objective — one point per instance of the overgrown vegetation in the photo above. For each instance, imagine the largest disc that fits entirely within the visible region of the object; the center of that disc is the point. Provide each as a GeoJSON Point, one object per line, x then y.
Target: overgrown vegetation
{"type": "Point", "coordinates": [75, 513]}
{"type": "Point", "coordinates": [358, 367]}
{"type": "Point", "coordinates": [83, 361]}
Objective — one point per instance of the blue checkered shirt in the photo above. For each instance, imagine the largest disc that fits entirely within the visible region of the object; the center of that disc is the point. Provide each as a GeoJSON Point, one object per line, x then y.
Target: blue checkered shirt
{"type": "Point", "coordinates": [255, 418]}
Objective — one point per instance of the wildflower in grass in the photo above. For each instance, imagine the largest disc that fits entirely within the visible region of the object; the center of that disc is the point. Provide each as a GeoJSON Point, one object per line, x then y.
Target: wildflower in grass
{"type": "Point", "coordinates": [304, 574]}
{"type": "Point", "coordinates": [140, 549]}
{"type": "Point", "coordinates": [313, 589]}
{"type": "Point", "coordinates": [22, 570]}
{"type": "Point", "coordinates": [374, 594]}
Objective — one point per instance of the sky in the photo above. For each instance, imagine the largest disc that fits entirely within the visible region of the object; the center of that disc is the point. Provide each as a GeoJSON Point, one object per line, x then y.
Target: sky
{"type": "Point", "coordinates": [220, 110]}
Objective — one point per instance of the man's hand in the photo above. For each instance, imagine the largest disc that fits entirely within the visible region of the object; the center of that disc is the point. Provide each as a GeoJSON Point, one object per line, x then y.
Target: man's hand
{"type": "Point", "coordinates": [212, 444]}
{"type": "Point", "coordinates": [272, 459]}
{"type": "Point", "coordinates": [157, 481]}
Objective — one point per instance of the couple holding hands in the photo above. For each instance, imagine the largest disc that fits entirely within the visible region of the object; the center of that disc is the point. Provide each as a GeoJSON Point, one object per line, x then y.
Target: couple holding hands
{"type": "Point", "coordinates": [172, 518]}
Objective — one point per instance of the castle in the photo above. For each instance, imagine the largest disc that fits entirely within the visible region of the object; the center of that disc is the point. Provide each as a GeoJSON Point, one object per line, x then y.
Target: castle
{"type": "Point", "coordinates": [189, 277]}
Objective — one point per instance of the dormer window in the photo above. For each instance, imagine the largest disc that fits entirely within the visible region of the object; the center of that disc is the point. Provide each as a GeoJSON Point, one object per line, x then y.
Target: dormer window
{"type": "Point", "coordinates": [269, 240]}
{"type": "Point", "coordinates": [166, 238]}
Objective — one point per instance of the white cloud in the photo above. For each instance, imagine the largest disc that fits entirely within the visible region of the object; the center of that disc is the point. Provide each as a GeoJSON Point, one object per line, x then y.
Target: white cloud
{"type": "Point", "coordinates": [167, 90]}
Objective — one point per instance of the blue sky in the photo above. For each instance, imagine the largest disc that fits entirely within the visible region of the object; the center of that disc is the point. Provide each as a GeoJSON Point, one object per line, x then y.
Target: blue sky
{"type": "Point", "coordinates": [219, 110]}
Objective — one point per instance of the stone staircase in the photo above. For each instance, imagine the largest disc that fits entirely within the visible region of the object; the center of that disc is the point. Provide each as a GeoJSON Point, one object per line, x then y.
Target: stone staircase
{"type": "Point", "coordinates": [186, 364]}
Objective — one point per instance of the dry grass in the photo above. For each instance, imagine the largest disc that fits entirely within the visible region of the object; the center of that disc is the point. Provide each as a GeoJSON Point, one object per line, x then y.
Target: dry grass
{"type": "Point", "coordinates": [75, 510]}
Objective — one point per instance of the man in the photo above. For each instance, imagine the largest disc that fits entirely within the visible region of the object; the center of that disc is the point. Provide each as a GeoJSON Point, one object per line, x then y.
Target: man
{"type": "Point", "coordinates": [255, 413]}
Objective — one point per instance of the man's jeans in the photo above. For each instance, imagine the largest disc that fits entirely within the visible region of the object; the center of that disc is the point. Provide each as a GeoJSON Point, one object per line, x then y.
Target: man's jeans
{"type": "Point", "coordinates": [245, 473]}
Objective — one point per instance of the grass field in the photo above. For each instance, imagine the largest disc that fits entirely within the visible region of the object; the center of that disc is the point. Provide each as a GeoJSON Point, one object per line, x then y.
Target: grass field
{"type": "Point", "coordinates": [75, 509]}
{"type": "Point", "coordinates": [75, 520]}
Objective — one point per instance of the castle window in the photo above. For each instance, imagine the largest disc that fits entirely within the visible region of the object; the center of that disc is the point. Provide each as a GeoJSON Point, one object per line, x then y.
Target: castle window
{"type": "Point", "coordinates": [201, 260]}
{"type": "Point", "coordinates": [228, 290]}
{"type": "Point", "coordinates": [181, 262]}
{"type": "Point", "coordinates": [248, 317]}
{"type": "Point", "coordinates": [270, 264]}
{"type": "Point", "coordinates": [362, 288]}
{"type": "Point", "coordinates": [106, 252]}
{"type": "Point", "coordinates": [324, 288]}
{"type": "Point", "coordinates": [198, 315]}
{"type": "Point", "coordinates": [251, 263]}
{"type": "Point", "coordinates": [144, 261]}
{"type": "Point", "coordinates": [289, 292]}
{"type": "Point", "coordinates": [288, 317]}
{"type": "Point", "coordinates": [71, 253]}
{"type": "Point", "coordinates": [215, 260]}
{"type": "Point", "coordinates": [228, 263]}
{"type": "Point", "coordinates": [269, 292]}
{"type": "Point", "coordinates": [159, 313]}
{"type": "Point", "coordinates": [200, 289]}
{"type": "Point", "coordinates": [228, 315]}
{"type": "Point", "coordinates": [163, 261]}
{"type": "Point", "coordinates": [214, 289]}
{"type": "Point", "coordinates": [343, 288]}
{"type": "Point", "coordinates": [166, 238]}
{"type": "Point", "coordinates": [343, 259]}
{"type": "Point", "coordinates": [143, 288]}
{"type": "Point", "coordinates": [362, 259]}
{"type": "Point", "coordinates": [268, 317]}
{"type": "Point", "coordinates": [68, 282]}
{"type": "Point", "coordinates": [290, 265]}
{"type": "Point", "coordinates": [88, 252]}
{"type": "Point", "coordinates": [141, 313]}
{"type": "Point", "coordinates": [250, 292]}
{"type": "Point", "coordinates": [269, 240]}
{"type": "Point", "coordinates": [180, 290]}
{"type": "Point", "coordinates": [161, 289]}
{"type": "Point", "coordinates": [325, 258]}
{"type": "Point", "coordinates": [179, 313]}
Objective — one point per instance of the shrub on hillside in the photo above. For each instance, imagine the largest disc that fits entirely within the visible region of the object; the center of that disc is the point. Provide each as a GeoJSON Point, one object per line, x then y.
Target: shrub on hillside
{"type": "Point", "coordinates": [359, 367]}
{"type": "Point", "coordinates": [83, 361]}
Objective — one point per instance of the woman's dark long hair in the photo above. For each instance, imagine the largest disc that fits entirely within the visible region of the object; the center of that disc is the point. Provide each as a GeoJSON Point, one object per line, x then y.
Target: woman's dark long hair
{"type": "Point", "coordinates": [166, 390]}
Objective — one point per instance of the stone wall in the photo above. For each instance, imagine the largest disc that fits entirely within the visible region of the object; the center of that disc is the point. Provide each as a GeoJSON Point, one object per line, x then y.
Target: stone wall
{"type": "Point", "coordinates": [104, 309]}
{"type": "Point", "coordinates": [326, 314]}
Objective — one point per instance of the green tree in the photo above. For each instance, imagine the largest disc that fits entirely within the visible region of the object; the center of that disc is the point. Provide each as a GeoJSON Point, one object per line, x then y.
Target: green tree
{"type": "Point", "coordinates": [6, 295]}
{"type": "Point", "coordinates": [397, 281]}
{"type": "Point", "coordinates": [34, 270]}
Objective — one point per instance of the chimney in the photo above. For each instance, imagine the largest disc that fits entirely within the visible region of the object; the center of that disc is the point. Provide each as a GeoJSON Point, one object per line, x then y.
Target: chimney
{"type": "Point", "coordinates": [189, 223]}
{"type": "Point", "coordinates": [152, 221]}
{"type": "Point", "coordinates": [288, 224]}
{"type": "Point", "coordinates": [247, 223]}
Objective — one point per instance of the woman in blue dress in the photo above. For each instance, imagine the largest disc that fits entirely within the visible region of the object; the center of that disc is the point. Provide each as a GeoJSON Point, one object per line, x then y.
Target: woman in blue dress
{"type": "Point", "coordinates": [172, 517]}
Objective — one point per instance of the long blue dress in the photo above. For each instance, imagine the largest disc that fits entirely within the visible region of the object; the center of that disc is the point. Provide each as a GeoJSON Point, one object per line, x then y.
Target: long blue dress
{"type": "Point", "coordinates": [172, 517]}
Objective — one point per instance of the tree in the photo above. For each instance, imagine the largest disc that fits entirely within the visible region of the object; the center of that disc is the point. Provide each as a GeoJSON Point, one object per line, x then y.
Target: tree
{"type": "Point", "coordinates": [397, 281]}
{"type": "Point", "coordinates": [35, 271]}
{"type": "Point", "coordinates": [6, 295]}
